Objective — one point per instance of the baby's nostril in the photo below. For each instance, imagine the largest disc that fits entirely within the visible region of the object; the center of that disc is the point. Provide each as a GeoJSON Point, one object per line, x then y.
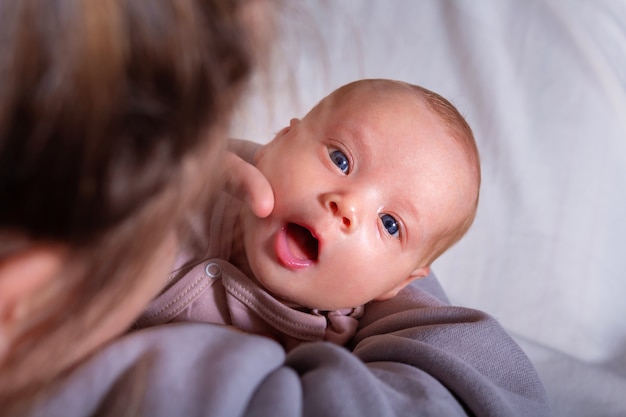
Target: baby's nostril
{"type": "Point", "coordinates": [333, 206]}
{"type": "Point", "coordinates": [346, 221]}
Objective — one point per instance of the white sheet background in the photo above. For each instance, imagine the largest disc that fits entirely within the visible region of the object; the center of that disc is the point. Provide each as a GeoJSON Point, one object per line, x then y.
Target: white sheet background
{"type": "Point", "coordinates": [543, 84]}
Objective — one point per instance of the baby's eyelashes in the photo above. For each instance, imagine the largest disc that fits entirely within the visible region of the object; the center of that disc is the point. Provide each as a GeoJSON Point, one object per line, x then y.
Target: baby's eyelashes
{"type": "Point", "coordinates": [390, 225]}
{"type": "Point", "coordinates": [340, 160]}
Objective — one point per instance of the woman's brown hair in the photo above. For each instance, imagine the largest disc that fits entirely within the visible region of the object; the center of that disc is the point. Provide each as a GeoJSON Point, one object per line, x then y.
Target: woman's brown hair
{"type": "Point", "coordinates": [101, 102]}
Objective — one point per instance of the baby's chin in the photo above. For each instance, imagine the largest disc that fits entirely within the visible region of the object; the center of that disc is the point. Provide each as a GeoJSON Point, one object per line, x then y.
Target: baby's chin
{"type": "Point", "coordinates": [302, 301]}
{"type": "Point", "coordinates": [279, 292]}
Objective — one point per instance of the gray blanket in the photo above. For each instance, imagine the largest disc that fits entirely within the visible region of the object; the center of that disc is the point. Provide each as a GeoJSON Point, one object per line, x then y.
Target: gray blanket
{"type": "Point", "coordinates": [413, 355]}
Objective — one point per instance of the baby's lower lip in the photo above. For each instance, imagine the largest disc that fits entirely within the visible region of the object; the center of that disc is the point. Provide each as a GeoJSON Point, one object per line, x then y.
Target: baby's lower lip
{"type": "Point", "coordinates": [286, 255]}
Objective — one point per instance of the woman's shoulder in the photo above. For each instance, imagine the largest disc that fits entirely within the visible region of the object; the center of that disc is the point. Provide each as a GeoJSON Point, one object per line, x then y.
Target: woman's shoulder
{"type": "Point", "coordinates": [415, 355]}
{"type": "Point", "coordinates": [174, 369]}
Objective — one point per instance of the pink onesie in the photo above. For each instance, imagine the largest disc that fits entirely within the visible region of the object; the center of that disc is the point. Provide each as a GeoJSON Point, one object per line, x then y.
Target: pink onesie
{"type": "Point", "coordinates": [215, 291]}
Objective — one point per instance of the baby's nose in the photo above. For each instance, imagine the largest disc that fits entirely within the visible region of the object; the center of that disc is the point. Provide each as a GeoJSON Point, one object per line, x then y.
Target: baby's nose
{"type": "Point", "coordinates": [343, 209]}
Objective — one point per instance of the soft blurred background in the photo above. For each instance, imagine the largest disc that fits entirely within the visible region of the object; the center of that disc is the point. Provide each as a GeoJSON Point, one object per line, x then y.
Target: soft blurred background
{"type": "Point", "coordinates": [543, 84]}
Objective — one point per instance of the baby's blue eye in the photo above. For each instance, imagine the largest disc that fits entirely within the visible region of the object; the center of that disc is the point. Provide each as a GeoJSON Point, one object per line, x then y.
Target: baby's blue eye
{"type": "Point", "coordinates": [340, 159]}
{"type": "Point", "coordinates": [390, 224]}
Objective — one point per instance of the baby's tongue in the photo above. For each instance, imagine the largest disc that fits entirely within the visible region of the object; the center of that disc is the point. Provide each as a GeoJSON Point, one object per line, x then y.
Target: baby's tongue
{"type": "Point", "coordinates": [301, 243]}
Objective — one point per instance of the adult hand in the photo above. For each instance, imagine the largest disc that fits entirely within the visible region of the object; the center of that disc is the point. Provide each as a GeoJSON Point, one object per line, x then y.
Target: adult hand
{"type": "Point", "coordinates": [246, 182]}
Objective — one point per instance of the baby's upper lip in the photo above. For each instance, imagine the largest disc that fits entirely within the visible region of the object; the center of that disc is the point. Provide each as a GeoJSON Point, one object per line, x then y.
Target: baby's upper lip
{"type": "Point", "coordinates": [310, 229]}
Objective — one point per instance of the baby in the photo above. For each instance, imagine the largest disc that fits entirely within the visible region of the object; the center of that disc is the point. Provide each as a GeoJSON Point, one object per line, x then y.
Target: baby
{"type": "Point", "coordinates": [370, 187]}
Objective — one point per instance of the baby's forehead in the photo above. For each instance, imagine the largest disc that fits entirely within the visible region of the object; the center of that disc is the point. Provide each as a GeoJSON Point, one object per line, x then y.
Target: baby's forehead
{"type": "Point", "coordinates": [374, 92]}
{"type": "Point", "coordinates": [367, 108]}
{"type": "Point", "coordinates": [411, 106]}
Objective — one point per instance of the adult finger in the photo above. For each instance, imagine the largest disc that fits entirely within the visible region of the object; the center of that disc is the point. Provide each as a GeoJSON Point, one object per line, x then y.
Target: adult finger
{"type": "Point", "coordinates": [244, 181]}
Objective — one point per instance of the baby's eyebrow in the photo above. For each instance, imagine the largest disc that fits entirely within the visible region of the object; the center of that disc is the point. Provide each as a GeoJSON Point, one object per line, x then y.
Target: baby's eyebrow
{"type": "Point", "coordinates": [359, 137]}
{"type": "Point", "coordinates": [409, 212]}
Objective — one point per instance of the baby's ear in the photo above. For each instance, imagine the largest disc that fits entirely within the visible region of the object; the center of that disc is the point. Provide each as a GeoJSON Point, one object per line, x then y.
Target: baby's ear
{"type": "Point", "coordinates": [417, 274]}
{"type": "Point", "coordinates": [282, 132]}
{"type": "Point", "coordinates": [261, 151]}
{"type": "Point", "coordinates": [292, 123]}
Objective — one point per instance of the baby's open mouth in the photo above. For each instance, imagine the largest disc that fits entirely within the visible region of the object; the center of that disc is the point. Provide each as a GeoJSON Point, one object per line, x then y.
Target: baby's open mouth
{"type": "Point", "coordinates": [296, 246]}
{"type": "Point", "coordinates": [302, 244]}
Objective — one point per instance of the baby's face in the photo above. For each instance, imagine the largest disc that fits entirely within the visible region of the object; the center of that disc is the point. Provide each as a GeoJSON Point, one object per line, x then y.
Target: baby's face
{"type": "Point", "coordinates": [360, 189]}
